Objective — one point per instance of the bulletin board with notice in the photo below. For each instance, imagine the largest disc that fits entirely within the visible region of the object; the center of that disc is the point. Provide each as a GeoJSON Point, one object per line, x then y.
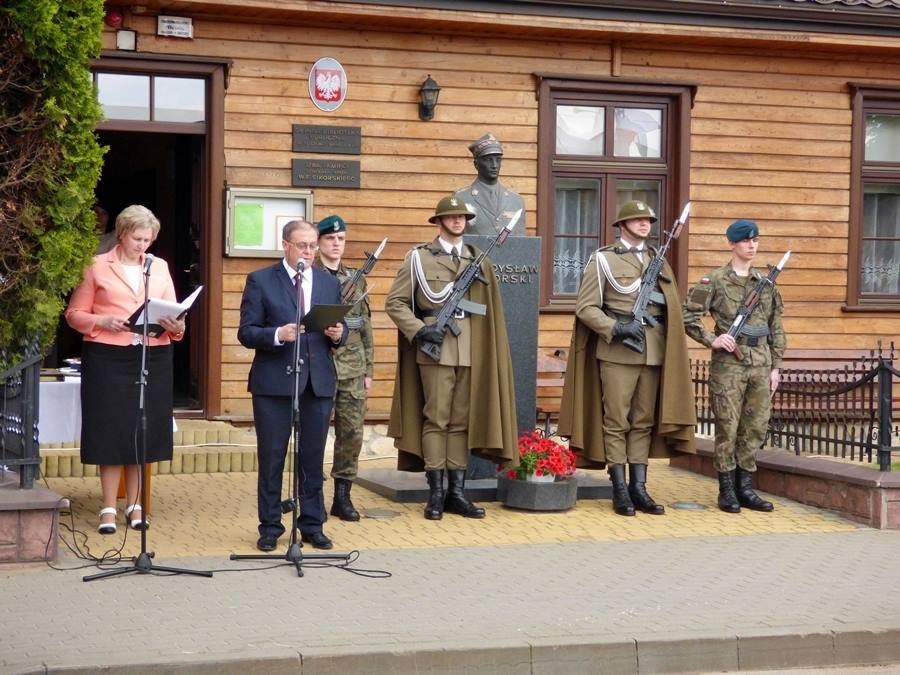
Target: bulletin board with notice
{"type": "Point", "coordinates": [254, 218]}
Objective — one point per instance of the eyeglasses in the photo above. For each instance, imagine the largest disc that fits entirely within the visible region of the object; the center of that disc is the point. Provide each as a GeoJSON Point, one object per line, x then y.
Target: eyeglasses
{"type": "Point", "coordinates": [302, 246]}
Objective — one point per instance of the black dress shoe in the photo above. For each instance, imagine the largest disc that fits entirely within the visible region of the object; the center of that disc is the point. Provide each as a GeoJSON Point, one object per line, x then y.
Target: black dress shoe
{"type": "Point", "coordinates": [267, 542]}
{"type": "Point", "coordinates": [317, 539]}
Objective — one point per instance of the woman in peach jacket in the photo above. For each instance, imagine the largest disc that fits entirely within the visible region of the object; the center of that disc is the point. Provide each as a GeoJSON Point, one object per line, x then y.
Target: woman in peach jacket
{"type": "Point", "coordinates": [112, 289]}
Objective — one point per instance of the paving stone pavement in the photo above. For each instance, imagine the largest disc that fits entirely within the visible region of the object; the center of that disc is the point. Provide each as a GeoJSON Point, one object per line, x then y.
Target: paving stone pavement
{"type": "Point", "coordinates": [580, 592]}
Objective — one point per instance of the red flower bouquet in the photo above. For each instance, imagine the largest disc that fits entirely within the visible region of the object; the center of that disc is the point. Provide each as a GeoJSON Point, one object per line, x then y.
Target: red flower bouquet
{"type": "Point", "coordinates": [542, 456]}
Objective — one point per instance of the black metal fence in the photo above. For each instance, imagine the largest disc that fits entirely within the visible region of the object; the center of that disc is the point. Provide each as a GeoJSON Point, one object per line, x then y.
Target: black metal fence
{"type": "Point", "coordinates": [844, 411]}
{"type": "Point", "coordinates": [19, 449]}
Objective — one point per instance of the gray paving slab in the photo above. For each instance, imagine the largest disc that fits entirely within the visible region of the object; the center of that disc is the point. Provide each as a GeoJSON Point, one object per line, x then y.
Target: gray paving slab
{"type": "Point", "coordinates": [772, 600]}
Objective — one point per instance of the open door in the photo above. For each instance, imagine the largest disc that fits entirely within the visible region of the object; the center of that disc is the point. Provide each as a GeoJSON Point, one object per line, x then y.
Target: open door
{"type": "Point", "coordinates": [162, 172]}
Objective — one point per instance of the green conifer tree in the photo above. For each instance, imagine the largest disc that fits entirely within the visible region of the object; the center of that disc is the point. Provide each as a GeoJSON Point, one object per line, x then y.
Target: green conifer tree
{"type": "Point", "coordinates": [50, 163]}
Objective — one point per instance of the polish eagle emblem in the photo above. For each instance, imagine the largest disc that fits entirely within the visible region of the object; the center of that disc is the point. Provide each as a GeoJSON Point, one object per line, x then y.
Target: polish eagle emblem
{"type": "Point", "coordinates": [328, 84]}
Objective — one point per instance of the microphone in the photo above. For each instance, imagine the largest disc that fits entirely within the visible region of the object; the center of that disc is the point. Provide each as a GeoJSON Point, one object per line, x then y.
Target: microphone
{"type": "Point", "coordinates": [301, 265]}
{"type": "Point", "coordinates": [148, 260]}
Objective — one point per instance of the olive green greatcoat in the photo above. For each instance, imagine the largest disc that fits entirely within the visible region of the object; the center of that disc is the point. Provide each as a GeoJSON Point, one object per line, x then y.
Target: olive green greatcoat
{"type": "Point", "coordinates": [492, 424]}
{"type": "Point", "coordinates": [598, 304]}
{"type": "Point", "coordinates": [581, 408]}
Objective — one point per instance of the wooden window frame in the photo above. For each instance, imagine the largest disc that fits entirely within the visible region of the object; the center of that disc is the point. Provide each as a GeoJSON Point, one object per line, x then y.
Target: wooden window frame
{"type": "Point", "coordinates": [866, 98]}
{"type": "Point", "coordinates": [678, 98]}
{"type": "Point", "coordinates": [153, 125]}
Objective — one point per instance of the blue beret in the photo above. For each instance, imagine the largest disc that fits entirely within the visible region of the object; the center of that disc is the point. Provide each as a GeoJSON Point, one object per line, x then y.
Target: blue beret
{"type": "Point", "coordinates": [742, 229]}
{"type": "Point", "coordinates": [331, 224]}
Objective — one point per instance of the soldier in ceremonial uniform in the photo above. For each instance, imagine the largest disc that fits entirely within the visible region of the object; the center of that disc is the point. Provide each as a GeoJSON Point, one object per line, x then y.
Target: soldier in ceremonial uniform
{"type": "Point", "coordinates": [354, 363]}
{"type": "Point", "coordinates": [492, 203]}
{"type": "Point", "coordinates": [619, 405]}
{"type": "Point", "coordinates": [740, 388]}
{"type": "Point", "coordinates": [465, 400]}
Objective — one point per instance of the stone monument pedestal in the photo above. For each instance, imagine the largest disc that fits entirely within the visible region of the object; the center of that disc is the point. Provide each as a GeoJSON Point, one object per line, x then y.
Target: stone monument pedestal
{"type": "Point", "coordinates": [410, 486]}
{"type": "Point", "coordinates": [517, 266]}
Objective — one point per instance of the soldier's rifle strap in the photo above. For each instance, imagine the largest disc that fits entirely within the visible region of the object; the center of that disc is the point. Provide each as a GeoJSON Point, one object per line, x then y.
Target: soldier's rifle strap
{"type": "Point", "coordinates": [754, 331]}
{"type": "Point", "coordinates": [750, 331]}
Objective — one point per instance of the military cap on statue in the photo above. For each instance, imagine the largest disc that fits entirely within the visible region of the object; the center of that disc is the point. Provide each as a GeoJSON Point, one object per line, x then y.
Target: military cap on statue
{"type": "Point", "coordinates": [742, 229]}
{"type": "Point", "coordinates": [486, 145]}
{"type": "Point", "coordinates": [330, 225]}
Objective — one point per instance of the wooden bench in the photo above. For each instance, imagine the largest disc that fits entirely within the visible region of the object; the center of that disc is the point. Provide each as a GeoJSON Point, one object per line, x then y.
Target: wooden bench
{"type": "Point", "coordinates": [824, 359]}
{"type": "Point", "coordinates": [854, 362]}
{"type": "Point", "coordinates": [551, 370]}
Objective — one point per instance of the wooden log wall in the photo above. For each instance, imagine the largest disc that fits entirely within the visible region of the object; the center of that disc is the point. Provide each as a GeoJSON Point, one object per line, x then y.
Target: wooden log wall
{"type": "Point", "coordinates": [770, 142]}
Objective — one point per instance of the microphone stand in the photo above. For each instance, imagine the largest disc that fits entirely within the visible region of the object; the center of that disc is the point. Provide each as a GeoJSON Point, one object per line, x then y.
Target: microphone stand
{"type": "Point", "coordinates": [294, 554]}
{"type": "Point", "coordinates": [143, 563]}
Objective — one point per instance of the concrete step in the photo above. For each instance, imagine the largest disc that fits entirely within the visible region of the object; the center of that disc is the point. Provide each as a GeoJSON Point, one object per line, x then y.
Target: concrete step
{"type": "Point", "coordinates": [202, 446]}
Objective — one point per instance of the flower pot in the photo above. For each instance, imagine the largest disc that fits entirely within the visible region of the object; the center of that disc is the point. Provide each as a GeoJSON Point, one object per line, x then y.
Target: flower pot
{"type": "Point", "coordinates": [544, 478]}
{"type": "Point", "coordinates": [537, 496]}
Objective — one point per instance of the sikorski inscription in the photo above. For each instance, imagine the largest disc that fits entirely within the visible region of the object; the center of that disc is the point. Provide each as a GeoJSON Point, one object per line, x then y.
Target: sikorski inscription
{"type": "Point", "coordinates": [516, 274]}
{"type": "Point", "coordinates": [325, 173]}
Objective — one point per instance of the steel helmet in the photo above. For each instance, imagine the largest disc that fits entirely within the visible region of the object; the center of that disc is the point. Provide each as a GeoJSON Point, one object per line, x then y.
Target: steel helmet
{"type": "Point", "coordinates": [451, 206]}
{"type": "Point", "coordinates": [635, 209]}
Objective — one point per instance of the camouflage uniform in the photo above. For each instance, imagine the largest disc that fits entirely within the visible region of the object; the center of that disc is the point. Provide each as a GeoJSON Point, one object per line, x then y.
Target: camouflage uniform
{"type": "Point", "coordinates": [354, 362]}
{"type": "Point", "coordinates": [739, 389]}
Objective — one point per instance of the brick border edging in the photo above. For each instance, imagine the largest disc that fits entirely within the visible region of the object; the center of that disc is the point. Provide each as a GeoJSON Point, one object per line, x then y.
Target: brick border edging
{"type": "Point", "coordinates": [684, 652]}
{"type": "Point", "coordinates": [856, 491]}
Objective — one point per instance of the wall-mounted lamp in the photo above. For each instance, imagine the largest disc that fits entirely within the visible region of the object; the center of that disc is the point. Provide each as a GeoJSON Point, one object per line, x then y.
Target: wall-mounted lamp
{"type": "Point", "coordinates": [126, 40]}
{"type": "Point", "coordinates": [428, 98]}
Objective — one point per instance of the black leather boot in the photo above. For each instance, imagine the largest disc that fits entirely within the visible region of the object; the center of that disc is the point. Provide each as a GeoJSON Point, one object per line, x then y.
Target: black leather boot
{"type": "Point", "coordinates": [637, 490]}
{"type": "Point", "coordinates": [620, 499]}
{"type": "Point", "coordinates": [455, 501]}
{"type": "Point", "coordinates": [434, 509]}
{"type": "Point", "coordinates": [745, 494]}
{"type": "Point", "coordinates": [342, 507]}
{"type": "Point", "coordinates": [728, 501]}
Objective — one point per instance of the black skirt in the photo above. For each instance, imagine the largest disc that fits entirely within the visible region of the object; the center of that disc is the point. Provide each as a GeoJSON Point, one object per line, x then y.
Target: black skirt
{"type": "Point", "coordinates": [110, 397]}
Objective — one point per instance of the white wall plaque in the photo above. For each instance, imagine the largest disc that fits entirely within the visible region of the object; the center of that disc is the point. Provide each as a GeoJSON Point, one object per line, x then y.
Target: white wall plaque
{"type": "Point", "coordinates": [175, 26]}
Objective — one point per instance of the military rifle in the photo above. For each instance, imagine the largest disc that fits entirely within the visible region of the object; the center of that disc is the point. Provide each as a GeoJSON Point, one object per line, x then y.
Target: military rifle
{"type": "Point", "coordinates": [446, 318]}
{"type": "Point", "coordinates": [751, 301]}
{"type": "Point", "coordinates": [367, 266]}
{"type": "Point", "coordinates": [649, 279]}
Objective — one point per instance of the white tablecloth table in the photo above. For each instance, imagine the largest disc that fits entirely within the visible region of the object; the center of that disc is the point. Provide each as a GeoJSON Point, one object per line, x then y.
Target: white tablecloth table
{"type": "Point", "coordinates": [59, 415]}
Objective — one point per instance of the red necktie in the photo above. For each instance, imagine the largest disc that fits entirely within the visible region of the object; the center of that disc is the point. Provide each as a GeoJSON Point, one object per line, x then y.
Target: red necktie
{"type": "Point", "coordinates": [298, 282]}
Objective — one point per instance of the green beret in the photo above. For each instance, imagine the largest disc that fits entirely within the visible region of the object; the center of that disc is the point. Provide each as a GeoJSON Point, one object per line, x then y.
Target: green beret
{"type": "Point", "coordinates": [742, 229]}
{"type": "Point", "coordinates": [330, 225]}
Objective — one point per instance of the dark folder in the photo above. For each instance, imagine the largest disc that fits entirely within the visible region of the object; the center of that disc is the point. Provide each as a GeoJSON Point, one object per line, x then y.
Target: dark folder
{"type": "Point", "coordinates": [322, 316]}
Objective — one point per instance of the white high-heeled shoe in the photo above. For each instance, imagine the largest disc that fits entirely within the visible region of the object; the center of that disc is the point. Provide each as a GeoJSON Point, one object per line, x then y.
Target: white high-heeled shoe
{"type": "Point", "coordinates": [107, 528]}
{"type": "Point", "coordinates": [138, 523]}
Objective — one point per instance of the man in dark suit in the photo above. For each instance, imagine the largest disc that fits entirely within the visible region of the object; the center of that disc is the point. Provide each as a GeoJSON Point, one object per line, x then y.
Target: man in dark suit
{"type": "Point", "coordinates": [268, 315]}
